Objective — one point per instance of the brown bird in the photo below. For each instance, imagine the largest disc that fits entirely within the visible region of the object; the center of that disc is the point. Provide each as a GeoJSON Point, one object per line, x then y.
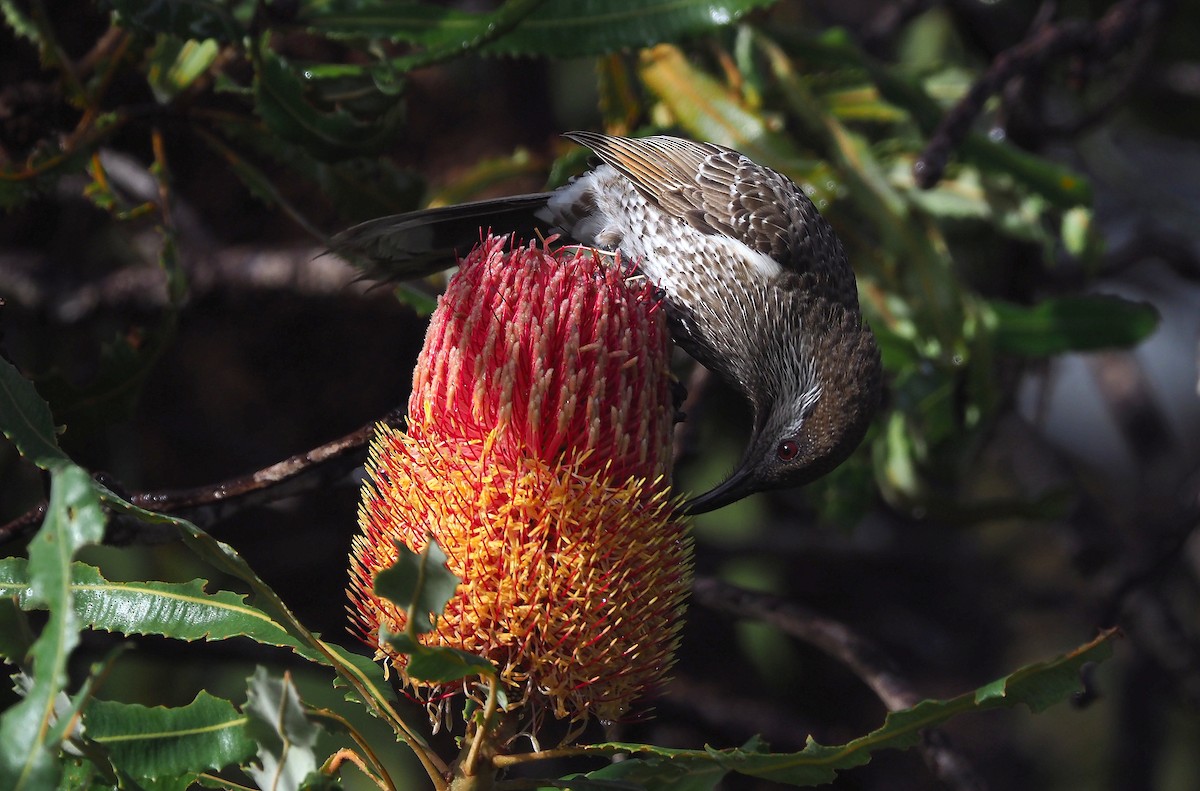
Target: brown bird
{"type": "Point", "coordinates": [756, 286]}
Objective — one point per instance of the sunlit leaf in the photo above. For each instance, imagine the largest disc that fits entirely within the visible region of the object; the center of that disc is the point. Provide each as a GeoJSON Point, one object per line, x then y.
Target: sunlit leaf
{"type": "Point", "coordinates": [173, 65]}
{"type": "Point", "coordinates": [155, 742]}
{"type": "Point", "coordinates": [182, 611]}
{"type": "Point", "coordinates": [30, 730]}
{"type": "Point", "coordinates": [18, 20]}
{"type": "Point", "coordinates": [356, 671]}
{"type": "Point", "coordinates": [708, 110]}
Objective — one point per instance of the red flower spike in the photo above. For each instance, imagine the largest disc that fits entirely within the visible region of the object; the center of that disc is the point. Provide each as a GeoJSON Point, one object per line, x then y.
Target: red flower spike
{"type": "Point", "coordinates": [538, 457]}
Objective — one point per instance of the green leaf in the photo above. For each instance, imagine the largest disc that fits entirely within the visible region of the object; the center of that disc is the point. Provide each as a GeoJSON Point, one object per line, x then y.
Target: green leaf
{"type": "Point", "coordinates": [332, 135]}
{"type": "Point", "coordinates": [436, 664]}
{"type": "Point", "coordinates": [422, 585]}
{"type": "Point", "coordinates": [183, 611]}
{"type": "Point", "coordinates": [356, 671]}
{"type": "Point", "coordinates": [20, 23]}
{"type": "Point", "coordinates": [442, 33]}
{"type": "Point", "coordinates": [556, 29]}
{"type": "Point", "coordinates": [1037, 686]}
{"type": "Point", "coordinates": [286, 737]}
{"type": "Point", "coordinates": [30, 731]}
{"type": "Point", "coordinates": [419, 583]}
{"type": "Point", "coordinates": [158, 742]}
{"type": "Point", "coordinates": [1076, 323]}
{"type": "Point", "coordinates": [187, 19]}
{"type": "Point", "coordinates": [707, 110]}
{"type": "Point", "coordinates": [173, 65]}
{"type": "Point", "coordinates": [656, 773]}
{"type": "Point", "coordinates": [25, 419]}
{"type": "Point", "coordinates": [598, 27]}
{"type": "Point", "coordinates": [440, 665]}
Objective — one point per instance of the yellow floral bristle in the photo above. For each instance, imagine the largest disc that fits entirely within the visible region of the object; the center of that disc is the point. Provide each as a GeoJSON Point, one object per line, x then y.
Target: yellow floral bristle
{"type": "Point", "coordinates": [537, 456]}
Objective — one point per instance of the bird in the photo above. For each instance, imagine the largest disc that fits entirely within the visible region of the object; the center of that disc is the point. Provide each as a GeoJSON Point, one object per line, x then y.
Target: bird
{"type": "Point", "coordinates": [755, 283]}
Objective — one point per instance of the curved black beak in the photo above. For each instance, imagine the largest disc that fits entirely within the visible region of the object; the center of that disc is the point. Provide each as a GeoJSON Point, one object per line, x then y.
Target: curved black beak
{"type": "Point", "coordinates": [732, 489]}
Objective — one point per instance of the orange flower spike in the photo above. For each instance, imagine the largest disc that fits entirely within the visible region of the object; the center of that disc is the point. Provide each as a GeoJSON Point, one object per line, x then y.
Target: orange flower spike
{"type": "Point", "coordinates": [538, 457]}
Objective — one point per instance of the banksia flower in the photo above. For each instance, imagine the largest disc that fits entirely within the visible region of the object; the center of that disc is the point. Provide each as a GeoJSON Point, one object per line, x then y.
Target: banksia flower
{"type": "Point", "coordinates": [537, 455]}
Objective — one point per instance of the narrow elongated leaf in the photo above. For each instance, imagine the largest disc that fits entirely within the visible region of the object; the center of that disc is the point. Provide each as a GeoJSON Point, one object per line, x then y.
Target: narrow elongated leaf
{"type": "Point", "coordinates": [598, 27]}
{"type": "Point", "coordinates": [286, 737]}
{"type": "Point", "coordinates": [442, 33]}
{"type": "Point", "coordinates": [331, 135]}
{"type": "Point", "coordinates": [208, 733]}
{"type": "Point", "coordinates": [259, 183]}
{"type": "Point", "coordinates": [18, 20]}
{"type": "Point", "coordinates": [361, 188]}
{"type": "Point", "coordinates": [25, 419]}
{"type": "Point", "coordinates": [1037, 686]}
{"type": "Point", "coordinates": [555, 29]}
{"type": "Point", "coordinates": [187, 19]}
{"type": "Point", "coordinates": [183, 611]}
{"type": "Point", "coordinates": [1058, 184]}
{"type": "Point", "coordinates": [30, 731]}
{"type": "Point", "coordinates": [173, 65]}
{"type": "Point", "coordinates": [1077, 323]}
{"type": "Point", "coordinates": [358, 672]}
{"type": "Point", "coordinates": [661, 775]}
{"type": "Point", "coordinates": [707, 110]}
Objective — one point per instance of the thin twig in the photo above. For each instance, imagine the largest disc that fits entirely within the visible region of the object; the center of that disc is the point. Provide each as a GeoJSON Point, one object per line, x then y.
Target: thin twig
{"type": "Point", "coordinates": [1098, 41]}
{"type": "Point", "coordinates": [851, 649]}
{"type": "Point", "coordinates": [206, 505]}
{"type": "Point", "coordinates": [484, 729]}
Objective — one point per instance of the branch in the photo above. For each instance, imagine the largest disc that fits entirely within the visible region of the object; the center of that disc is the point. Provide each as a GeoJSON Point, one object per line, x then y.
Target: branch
{"type": "Point", "coordinates": [1098, 42]}
{"type": "Point", "coordinates": [207, 505]}
{"type": "Point", "coordinates": [851, 649]}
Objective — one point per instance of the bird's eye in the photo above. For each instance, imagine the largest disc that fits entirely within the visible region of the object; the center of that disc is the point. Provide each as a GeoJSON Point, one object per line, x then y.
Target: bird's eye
{"type": "Point", "coordinates": [788, 450]}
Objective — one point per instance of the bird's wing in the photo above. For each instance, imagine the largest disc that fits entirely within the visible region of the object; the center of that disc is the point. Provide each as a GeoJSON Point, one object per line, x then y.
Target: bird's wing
{"type": "Point", "coordinates": [420, 243]}
{"type": "Point", "coordinates": [712, 188]}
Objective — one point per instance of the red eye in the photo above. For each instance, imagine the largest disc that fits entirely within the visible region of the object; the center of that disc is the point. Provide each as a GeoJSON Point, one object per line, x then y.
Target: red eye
{"type": "Point", "coordinates": [788, 450]}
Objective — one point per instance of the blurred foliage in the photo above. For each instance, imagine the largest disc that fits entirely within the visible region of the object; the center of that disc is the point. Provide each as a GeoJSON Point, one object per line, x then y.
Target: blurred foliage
{"type": "Point", "coordinates": [307, 97]}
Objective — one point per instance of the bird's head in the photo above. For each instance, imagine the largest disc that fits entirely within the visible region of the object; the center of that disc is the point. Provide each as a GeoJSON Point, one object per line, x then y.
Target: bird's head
{"type": "Point", "coordinates": [813, 413]}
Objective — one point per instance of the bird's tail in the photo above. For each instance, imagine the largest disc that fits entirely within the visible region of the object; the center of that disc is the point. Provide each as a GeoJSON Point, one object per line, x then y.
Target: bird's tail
{"type": "Point", "coordinates": [420, 243]}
